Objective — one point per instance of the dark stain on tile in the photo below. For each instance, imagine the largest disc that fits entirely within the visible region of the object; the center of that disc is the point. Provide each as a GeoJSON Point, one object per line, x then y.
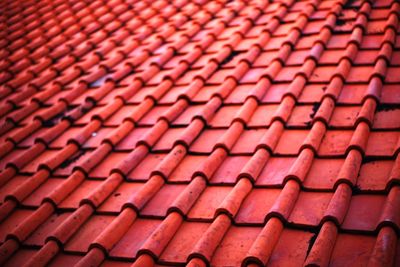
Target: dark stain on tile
{"type": "Point", "coordinates": [232, 55]}
{"type": "Point", "coordinates": [74, 158]}
{"type": "Point", "coordinates": [386, 107]}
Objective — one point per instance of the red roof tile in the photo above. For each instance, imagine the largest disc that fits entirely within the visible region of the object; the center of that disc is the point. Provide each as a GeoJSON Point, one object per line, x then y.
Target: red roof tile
{"type": "Point", "coordinates": [222, 133]}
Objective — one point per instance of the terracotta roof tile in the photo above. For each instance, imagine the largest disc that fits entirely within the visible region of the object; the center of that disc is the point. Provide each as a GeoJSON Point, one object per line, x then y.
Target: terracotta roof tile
{"type": "Point", "coordinates": [223, 133]}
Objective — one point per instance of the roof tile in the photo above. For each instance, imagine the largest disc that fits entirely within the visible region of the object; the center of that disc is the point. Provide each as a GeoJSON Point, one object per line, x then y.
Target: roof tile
{"type": "Point", "coordinates": [160, 133]}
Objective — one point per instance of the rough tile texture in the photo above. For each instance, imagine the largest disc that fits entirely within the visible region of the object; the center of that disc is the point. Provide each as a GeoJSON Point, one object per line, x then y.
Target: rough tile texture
{"type": "Point", "coordinates": [199, 133]}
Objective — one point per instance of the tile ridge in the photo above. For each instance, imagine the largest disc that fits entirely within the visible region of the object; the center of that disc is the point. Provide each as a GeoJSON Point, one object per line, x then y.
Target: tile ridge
{"type": "Point", "coordinates": [102, 192]}
{"type": "Point", "coordinates": [335, 214]}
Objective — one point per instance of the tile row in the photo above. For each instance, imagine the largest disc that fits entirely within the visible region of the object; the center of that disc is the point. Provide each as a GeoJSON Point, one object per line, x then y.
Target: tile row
{"type": "Point", "coordinates": [199, 189]}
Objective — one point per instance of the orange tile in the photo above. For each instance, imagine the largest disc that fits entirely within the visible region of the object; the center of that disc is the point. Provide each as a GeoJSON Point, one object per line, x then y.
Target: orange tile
{"type": "Point", "coordinates": [202, 133]}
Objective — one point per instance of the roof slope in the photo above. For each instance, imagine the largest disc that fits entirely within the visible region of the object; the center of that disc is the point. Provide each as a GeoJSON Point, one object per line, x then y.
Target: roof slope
{"type": "Point", "coordinates": [219, 133]}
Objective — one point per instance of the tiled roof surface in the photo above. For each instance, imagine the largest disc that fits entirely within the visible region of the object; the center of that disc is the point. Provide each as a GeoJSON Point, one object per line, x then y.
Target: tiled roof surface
{"type": "Point", "coordinates": [219, 133]}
